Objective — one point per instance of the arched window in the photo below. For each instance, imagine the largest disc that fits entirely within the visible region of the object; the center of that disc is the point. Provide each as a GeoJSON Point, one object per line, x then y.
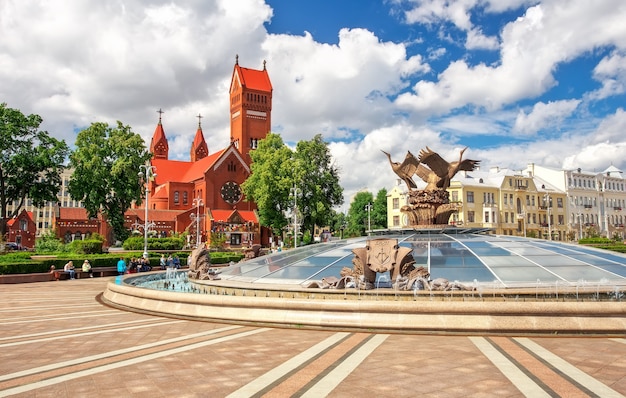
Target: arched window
{"type": "Point", "coordinates": [176, 197]}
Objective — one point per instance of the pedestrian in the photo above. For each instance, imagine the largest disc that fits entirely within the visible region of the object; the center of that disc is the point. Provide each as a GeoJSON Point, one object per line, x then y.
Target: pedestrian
{"type": "Point", "coordinates": [87, 268]}
{"type": "Point", "coordinates": [162, 261]}
{"type": "Point", "coordinates": [176, 262]}
{"type": "Point", "coordinates": [121, 266]}
{"type": "Point", "coordinates": [69, 268]}
{"type": "Point", "coordinates": [170, 261]}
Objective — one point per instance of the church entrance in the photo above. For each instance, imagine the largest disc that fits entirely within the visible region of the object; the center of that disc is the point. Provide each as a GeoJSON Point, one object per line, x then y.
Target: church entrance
{"type": "Point", "coordinates": [235, 239]}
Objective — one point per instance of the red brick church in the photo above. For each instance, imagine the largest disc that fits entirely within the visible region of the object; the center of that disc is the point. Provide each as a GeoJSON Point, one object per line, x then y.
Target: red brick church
{"type": "Point", "coordinates": [208, 186]}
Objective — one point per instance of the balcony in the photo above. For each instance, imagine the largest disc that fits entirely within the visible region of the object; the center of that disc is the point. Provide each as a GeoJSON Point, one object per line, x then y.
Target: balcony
{"type": "Point", "coordinates": [619, 225]}
{"type": "Point", "coordinates": [587, 206]}
{"type": "Point", "coordinates": [617, 208]}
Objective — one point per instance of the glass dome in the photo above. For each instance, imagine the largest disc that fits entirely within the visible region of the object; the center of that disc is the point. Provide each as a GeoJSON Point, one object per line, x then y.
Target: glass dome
{"type": "Point", "coordinates": [464, 257]}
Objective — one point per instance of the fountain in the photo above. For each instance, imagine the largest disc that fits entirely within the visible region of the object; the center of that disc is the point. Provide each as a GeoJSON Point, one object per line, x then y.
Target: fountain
{"type": "Point", "coordinates": [383, 283]}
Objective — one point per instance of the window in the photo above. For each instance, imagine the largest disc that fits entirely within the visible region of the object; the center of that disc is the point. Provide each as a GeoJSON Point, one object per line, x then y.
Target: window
{"type": "Point", "coordinates": [470, 197]}
{"type": "Point", "coordinates": [527, 200]}
{"type": "Point", "coordinates": [176, 197]}
{"type": "Point", "coordinates": [486, 216]}
{"type": "Point", "coordinates": [396, 203]}
{"type": "Point", "coordinates": [396, 221]}
{"type": "Point", "coordinates": [470, 216]}
{"type": "Point", "coordinates": [455, 196]}
{"type": "Point", "coordinates": [532, 200]}
{"type": "Point", "coordinates": [505, 197]}
{"type": "Point", "coordinates": [506, 217]}
{"type": "Point", "coordinates": [185, 197]}
{"type": "Point", "coordinates": [23, 225]}
{"type": "Point", "coordinates": [559, 203]}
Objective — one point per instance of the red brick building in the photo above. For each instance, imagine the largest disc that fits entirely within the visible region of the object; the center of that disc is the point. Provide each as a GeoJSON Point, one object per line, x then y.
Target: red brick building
{"type": "Point", "coordinates": [209, 184]}
{"type": "Point", "coordinates": [21, 230]}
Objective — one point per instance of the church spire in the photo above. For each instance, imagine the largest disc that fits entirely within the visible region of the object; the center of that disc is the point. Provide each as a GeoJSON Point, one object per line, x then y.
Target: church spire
{"type": "Point", "coordinates": [158, 145]}
{"type": "Point", "coordinates": [199, 148]}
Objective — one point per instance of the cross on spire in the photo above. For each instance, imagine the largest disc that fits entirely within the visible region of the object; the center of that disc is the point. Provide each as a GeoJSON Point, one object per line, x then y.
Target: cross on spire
{"type": "Point", "coordinates": [199, 117]}
{"type": "Point", "coordinates": [160, 112]}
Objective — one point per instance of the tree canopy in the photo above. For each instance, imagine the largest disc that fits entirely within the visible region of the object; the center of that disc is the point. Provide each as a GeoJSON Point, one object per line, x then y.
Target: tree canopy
{"type": "Point", "coordinates": [31, 162]}
{"type": "Point", "coordinates": [106, 164]}
{"type": "Point", "coordinates": [379, 210]}
{"type": "Point", "coordinates": [270, 181]}
{"type": "Point", "coordinates": [278, 173]}
{"type": "Point", "coordinates": [358, 214]}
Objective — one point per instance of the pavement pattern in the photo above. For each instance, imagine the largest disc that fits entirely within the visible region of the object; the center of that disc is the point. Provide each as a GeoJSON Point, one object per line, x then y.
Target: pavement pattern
{"type": "Point", "coordinates": [58, 340]}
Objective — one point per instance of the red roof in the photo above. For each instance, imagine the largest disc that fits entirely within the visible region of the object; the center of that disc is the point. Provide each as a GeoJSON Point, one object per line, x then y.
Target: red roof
{"type": "Point", "coordinates": [225, 215]}
{"type": "Point", "coordinates": [253, 79]}
{"type": "Point", "coordinates": [154, 215]}
{"type": "Point", "coordinates": [199, 141]}
{"type": "Point", "coordinates": [73, 213]}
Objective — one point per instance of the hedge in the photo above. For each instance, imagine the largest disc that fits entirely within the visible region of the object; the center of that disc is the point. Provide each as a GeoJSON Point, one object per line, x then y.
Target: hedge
{"type": "Point", "coordinates": [21, 263]}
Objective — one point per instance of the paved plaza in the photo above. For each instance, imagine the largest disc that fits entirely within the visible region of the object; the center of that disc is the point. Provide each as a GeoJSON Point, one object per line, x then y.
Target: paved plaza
{"type": "Point", "coordinates": [58, 340]}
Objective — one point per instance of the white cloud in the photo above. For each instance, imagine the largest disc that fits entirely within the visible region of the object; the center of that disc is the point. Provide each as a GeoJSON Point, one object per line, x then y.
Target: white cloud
{"type": "Point", "coordinates": [611, 72]}
{"type": "Point", "coordinates": [532, 47]}
{"type": "Point", "coordinates": [476, 40]}
{"type": "Point", "coordinates": [544, 116]}
{"type": "Point", "coordinates": [328, 87]}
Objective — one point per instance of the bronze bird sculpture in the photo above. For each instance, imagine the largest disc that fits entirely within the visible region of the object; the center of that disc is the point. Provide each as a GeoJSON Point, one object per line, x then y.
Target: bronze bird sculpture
{"type": "Point", "coordinates": [441, 172]}
{"type": "Point", "coordinates": [406, 169]}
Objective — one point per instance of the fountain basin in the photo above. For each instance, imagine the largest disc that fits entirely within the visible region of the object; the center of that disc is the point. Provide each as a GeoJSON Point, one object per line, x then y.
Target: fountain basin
{"type": "Point", "coordinates": [517, 312]}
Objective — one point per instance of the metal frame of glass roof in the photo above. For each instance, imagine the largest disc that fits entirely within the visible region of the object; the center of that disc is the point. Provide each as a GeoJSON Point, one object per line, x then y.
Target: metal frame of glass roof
{"type": "Point", "coordinates": [471, 258]}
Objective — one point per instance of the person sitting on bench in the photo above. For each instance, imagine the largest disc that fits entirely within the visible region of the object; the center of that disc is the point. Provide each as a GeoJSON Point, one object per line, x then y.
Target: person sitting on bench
{"type": "Point", "coordinates": [69, 268]}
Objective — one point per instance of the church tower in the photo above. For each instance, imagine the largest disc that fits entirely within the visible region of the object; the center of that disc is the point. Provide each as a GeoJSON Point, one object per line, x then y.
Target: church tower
{"type": "Point", "coordinates": [158, 145]}
{"type": "Point", "coordinates": [199, 148]}
{"type": "Point", "coordinates": [250, 108]}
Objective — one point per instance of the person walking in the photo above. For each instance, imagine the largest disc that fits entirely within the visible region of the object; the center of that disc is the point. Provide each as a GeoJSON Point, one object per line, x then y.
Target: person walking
{"type": "Point", "coordinates": [121, 266]}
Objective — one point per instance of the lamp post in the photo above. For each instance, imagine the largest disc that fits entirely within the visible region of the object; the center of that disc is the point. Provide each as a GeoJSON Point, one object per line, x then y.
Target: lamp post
{"type": "Point", "coordinates": [295, 192]}
{"type": "Point", "coordinates": [147, 172]}
{"type": "Point", "coordinates": [546, 197]}
{"type": "Point", "coordinates": [197, 202]}
{"type": "Point", "coordinates": [368, 207]}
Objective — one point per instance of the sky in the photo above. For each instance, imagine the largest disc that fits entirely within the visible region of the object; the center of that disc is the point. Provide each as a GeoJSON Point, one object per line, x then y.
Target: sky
{"type": "Point", "coordinates": [515, 81]}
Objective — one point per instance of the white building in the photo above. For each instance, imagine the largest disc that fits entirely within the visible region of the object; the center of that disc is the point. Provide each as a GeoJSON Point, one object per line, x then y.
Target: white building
{"type": "Point", "coordinates": [595, 200]}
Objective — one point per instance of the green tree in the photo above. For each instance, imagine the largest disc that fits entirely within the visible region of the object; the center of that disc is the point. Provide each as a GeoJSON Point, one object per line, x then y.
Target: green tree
{"type": "Point", "coordinates": [106, 163]}
{"type": "Point", "coordinates": [31, 163]}
{"type": "Point", "coordinates": [338, 224]}
{"type": "Point", "coordinates": [357, 214]}
{"type": "Point", "coordinates": [379, 210]}
{"type": "Point", "coordinates": [270, 181]}
{"type": "Point", "coordinates": [317, 179]}
{"type": "Point", "coordinates": [276, 170]}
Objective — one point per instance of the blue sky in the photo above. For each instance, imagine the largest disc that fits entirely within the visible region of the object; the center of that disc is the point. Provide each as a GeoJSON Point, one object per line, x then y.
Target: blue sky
{"type": "Point", "coordinates": [516, 81]}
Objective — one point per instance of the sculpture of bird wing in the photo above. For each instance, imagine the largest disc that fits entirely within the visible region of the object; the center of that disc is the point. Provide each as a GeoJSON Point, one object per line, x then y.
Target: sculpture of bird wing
{"type": "Point", "coordinates": [436, 163]}
{"type": "Point", "coordinates": [423, 172]}
{"type": "Point", "coordinates": [468, 164]}
{"type": "Point", "coordinates": [410, 164]}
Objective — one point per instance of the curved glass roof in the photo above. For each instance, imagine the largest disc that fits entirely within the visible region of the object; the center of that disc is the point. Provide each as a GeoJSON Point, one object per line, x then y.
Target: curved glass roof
{"type": "Point", "coordinates": [467, 258]}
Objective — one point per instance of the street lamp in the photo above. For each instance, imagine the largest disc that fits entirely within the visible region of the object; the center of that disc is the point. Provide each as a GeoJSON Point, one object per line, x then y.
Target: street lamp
{"type": "Point", "coordinates": [368, 207]}
{"type": "Point", "coordinates": [197, 202]}
{"type": "Point", "coordinates": [546, 197]}
{"type": "Point", "coordinates": [295, 192]}
{"type": "Point", "coordinates": [147, 172]}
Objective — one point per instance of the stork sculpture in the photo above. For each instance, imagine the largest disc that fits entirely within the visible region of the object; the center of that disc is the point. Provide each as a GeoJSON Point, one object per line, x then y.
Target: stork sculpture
{"type": "Point", "coordinates": [430, 206]}
{"type": "Point", "coordinates": [406, 169]}
{"type": "Point", "coordinates": [440, 172]}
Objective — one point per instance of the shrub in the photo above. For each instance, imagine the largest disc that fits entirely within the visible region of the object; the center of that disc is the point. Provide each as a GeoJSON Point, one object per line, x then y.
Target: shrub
{"type": "Point", "coordinates": [91, 246]}
{"type": "Point", "coordinates": [136, 243]}
{"type": "Point", "coordinates": [49, 243]}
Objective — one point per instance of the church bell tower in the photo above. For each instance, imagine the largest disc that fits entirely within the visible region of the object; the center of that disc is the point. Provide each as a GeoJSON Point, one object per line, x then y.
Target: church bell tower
{"type": "Point", "coordinates": [250, 108]}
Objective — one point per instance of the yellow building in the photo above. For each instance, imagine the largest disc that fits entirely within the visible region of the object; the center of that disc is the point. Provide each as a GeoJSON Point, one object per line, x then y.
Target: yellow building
{"type": "Point", "coordinates": [506, 201]}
